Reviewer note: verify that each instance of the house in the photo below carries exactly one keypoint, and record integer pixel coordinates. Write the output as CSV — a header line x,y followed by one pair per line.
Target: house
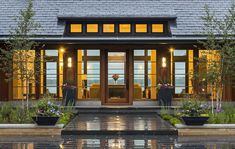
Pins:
x,y
113,51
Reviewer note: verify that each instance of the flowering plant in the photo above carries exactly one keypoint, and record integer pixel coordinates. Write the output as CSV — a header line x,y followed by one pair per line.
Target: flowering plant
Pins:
x,y
115,77
45,107
164,85
194,108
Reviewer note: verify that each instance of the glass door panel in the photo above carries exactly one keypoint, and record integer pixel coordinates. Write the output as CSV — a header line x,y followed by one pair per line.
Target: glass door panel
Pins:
x,y
117,91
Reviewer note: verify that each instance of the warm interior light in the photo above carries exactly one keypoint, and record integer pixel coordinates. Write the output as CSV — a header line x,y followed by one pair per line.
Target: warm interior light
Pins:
x,y
171,50
84,77
69,62
61,63
163,62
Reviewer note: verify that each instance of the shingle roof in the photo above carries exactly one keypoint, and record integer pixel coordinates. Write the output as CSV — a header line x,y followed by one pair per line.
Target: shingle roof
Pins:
x,y
188,12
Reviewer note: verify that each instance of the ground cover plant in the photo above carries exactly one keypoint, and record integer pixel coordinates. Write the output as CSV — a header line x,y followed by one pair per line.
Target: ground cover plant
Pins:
x,y
171,118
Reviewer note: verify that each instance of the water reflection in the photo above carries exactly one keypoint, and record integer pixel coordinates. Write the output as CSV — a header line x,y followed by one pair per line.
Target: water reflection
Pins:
x,y
117,142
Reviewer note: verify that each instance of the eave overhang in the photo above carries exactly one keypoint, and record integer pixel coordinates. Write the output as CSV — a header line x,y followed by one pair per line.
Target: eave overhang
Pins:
x,y
116,40
116,18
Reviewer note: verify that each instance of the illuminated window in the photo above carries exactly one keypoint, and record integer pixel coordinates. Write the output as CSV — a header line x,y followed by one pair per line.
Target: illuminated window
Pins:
x,y
108,28
141,28
75,28
92,28
124,28
157,28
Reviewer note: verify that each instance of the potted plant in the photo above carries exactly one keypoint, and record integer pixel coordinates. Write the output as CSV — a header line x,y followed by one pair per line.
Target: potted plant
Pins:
x,y
165,93
46,112
194,112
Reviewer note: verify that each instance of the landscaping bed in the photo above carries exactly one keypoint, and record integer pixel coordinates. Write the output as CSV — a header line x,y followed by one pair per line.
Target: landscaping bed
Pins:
x,y
18,120
219,122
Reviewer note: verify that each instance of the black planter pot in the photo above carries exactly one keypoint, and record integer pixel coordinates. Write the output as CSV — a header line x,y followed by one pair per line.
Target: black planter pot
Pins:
x,y
40,120
193,120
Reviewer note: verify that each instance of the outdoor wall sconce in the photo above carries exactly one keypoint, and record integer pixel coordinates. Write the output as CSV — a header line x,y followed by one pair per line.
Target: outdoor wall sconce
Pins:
x,y
62,50
69,62
163,62
171,50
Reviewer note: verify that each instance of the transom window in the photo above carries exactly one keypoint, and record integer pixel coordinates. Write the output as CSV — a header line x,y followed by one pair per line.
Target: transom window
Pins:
x,y
117,28
124,28
141,28
75,28
157,28
108,28
92,28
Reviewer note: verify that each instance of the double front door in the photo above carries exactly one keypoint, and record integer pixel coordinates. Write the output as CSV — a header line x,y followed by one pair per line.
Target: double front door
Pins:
x,y
117,77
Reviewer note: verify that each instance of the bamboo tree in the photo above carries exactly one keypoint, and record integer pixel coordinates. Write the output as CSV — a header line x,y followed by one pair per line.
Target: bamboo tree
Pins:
x,y
16,57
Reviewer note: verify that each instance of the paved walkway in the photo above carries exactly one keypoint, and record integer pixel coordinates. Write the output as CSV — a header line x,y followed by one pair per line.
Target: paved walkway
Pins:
x,y
118,124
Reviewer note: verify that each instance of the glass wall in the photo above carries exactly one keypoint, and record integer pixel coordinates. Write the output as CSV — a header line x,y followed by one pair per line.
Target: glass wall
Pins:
x,y
145,74
183,71
88,74
50,72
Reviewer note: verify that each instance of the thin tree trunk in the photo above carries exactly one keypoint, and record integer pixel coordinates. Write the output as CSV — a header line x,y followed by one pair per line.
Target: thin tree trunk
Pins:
x,y
212,99
22,92
27,85
217,97
27,93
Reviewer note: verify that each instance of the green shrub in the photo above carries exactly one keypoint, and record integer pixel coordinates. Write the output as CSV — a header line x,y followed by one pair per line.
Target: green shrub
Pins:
x,y
67,115
11,114
175,121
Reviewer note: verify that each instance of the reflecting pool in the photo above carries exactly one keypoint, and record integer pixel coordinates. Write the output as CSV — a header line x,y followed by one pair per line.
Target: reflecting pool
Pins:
x,y
117,142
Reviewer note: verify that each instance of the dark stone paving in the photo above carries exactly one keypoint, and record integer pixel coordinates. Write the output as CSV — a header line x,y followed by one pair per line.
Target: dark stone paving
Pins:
x,y
118,124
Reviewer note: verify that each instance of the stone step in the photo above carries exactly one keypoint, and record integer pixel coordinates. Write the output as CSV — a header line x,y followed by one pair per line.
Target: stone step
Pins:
x,y
118,124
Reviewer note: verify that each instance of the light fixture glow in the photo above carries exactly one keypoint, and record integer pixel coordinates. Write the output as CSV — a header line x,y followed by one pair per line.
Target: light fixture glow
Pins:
x,y
163,62
62,50
69,62
171,50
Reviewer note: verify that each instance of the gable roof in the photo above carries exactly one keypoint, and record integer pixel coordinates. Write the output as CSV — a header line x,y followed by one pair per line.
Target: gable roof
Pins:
x,y
48,12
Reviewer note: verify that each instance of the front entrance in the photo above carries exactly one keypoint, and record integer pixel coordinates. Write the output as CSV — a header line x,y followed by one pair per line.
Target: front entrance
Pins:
x,y
117,77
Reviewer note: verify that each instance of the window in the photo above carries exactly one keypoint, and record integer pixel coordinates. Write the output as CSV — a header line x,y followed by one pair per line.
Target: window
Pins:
x,y
75,28
92,28
145,78
180,77
88,74
141,28
51,77
157,28
180,52
124,28
108,28
51,52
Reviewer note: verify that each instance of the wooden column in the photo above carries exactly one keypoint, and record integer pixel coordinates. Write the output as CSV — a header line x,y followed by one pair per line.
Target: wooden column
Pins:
x,y
70,73
163,73
103,81
130,74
